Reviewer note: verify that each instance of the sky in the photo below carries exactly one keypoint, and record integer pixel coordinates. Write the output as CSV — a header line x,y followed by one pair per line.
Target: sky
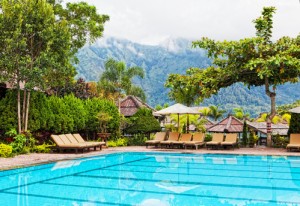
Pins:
x,y
153,21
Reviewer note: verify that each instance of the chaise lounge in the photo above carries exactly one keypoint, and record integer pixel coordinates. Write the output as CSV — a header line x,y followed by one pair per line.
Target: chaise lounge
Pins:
x,y
184,138
294,142
159,136
230,140
217,138
198,140
173,136
70,142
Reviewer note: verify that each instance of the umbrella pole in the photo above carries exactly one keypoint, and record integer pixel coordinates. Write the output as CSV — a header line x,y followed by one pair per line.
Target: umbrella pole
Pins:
x,y
178,122
187,123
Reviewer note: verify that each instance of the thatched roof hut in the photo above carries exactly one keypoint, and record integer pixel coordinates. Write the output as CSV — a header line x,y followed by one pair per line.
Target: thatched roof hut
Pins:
x,y
228,125
131,104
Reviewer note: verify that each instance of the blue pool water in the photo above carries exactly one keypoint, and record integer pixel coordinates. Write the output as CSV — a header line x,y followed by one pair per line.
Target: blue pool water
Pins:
x,y
150,179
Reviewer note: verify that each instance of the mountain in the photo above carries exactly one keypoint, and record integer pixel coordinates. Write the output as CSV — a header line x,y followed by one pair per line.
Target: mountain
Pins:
x,y
173,56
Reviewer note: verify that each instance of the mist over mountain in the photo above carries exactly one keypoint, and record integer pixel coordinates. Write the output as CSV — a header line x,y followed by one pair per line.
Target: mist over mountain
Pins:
x,y
173,56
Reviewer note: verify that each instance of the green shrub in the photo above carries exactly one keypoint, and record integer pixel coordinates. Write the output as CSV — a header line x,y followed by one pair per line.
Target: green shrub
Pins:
x,y
19,143
44,148
58,115
143,122
5,150
93,107
122,142
137,140
279,141
111,143
208,137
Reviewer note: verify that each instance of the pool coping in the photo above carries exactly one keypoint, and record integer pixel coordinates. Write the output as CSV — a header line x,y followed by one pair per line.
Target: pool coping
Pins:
x,y
34,159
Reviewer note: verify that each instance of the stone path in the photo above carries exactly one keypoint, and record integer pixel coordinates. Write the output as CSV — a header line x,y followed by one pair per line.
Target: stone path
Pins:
x,y
38,158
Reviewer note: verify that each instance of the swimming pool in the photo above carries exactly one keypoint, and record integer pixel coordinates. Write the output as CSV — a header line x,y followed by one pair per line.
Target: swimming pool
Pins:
x,y
150,179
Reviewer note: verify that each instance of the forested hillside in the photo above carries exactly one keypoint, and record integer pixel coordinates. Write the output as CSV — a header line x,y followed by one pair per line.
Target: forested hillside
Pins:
x,y
173,56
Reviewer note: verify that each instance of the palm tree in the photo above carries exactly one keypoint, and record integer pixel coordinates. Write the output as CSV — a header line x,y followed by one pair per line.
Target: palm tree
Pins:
x,y
215,112
239,113
205,112
116,80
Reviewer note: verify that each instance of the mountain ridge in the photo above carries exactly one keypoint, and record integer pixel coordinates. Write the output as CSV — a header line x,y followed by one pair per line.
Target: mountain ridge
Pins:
x,y
173,56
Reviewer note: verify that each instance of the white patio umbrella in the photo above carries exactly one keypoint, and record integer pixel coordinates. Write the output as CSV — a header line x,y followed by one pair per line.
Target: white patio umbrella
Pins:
x,y
295,110
177,109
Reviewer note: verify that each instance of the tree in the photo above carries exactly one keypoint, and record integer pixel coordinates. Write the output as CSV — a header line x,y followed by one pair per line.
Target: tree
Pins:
x,y
116,80
39,44
183,91
239,113
215,112
245,135
254,61
205,111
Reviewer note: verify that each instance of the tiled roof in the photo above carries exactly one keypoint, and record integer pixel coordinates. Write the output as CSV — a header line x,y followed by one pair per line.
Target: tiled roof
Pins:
x,y
281,129
131,104
229,124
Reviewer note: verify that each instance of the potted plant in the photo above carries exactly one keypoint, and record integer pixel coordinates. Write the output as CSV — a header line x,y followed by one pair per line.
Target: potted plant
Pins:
x,y
104,119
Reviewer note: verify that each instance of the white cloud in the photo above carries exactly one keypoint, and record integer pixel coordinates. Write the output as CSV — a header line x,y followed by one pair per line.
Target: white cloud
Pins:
x,y
152,21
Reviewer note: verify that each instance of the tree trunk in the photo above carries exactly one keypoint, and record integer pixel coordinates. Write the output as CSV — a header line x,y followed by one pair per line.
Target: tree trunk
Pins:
x,y
27,112
19,108
23,109
272,96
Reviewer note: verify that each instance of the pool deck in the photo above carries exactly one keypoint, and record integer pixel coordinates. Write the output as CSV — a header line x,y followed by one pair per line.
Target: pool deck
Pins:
x,y
39,158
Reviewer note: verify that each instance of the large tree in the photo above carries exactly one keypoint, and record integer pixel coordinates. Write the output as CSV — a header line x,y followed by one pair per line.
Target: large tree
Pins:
x,y
39,41
183,91
256,61
116,80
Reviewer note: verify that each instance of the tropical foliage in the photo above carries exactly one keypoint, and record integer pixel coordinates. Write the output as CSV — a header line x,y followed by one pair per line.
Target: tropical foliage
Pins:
x,y
60,115
116,80
143,122
39,44
253,61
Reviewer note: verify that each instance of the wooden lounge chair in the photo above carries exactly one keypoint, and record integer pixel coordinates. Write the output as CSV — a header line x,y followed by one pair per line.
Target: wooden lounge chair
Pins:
x,y
294,142
230,140
89,144
198,140
173,136
217,138
183,139
159,136
65,144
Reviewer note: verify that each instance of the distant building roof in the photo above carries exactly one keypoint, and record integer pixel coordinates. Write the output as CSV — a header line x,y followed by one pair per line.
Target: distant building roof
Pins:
x,y
281,129
131,104
230,124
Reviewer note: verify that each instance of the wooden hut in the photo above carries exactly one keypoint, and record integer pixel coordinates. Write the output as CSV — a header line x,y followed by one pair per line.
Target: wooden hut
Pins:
x,y
260,128
131,104
228,125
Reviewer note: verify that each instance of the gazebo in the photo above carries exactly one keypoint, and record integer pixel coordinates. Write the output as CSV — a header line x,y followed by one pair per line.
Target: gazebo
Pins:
x,y
228,125
131,104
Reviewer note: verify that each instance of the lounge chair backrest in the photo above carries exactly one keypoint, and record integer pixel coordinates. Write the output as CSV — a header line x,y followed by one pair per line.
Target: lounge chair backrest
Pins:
x,y
295,139
173,136
71,138
199,137
64,139
217,137
57,140
231,137
78,138
186,137
160,136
